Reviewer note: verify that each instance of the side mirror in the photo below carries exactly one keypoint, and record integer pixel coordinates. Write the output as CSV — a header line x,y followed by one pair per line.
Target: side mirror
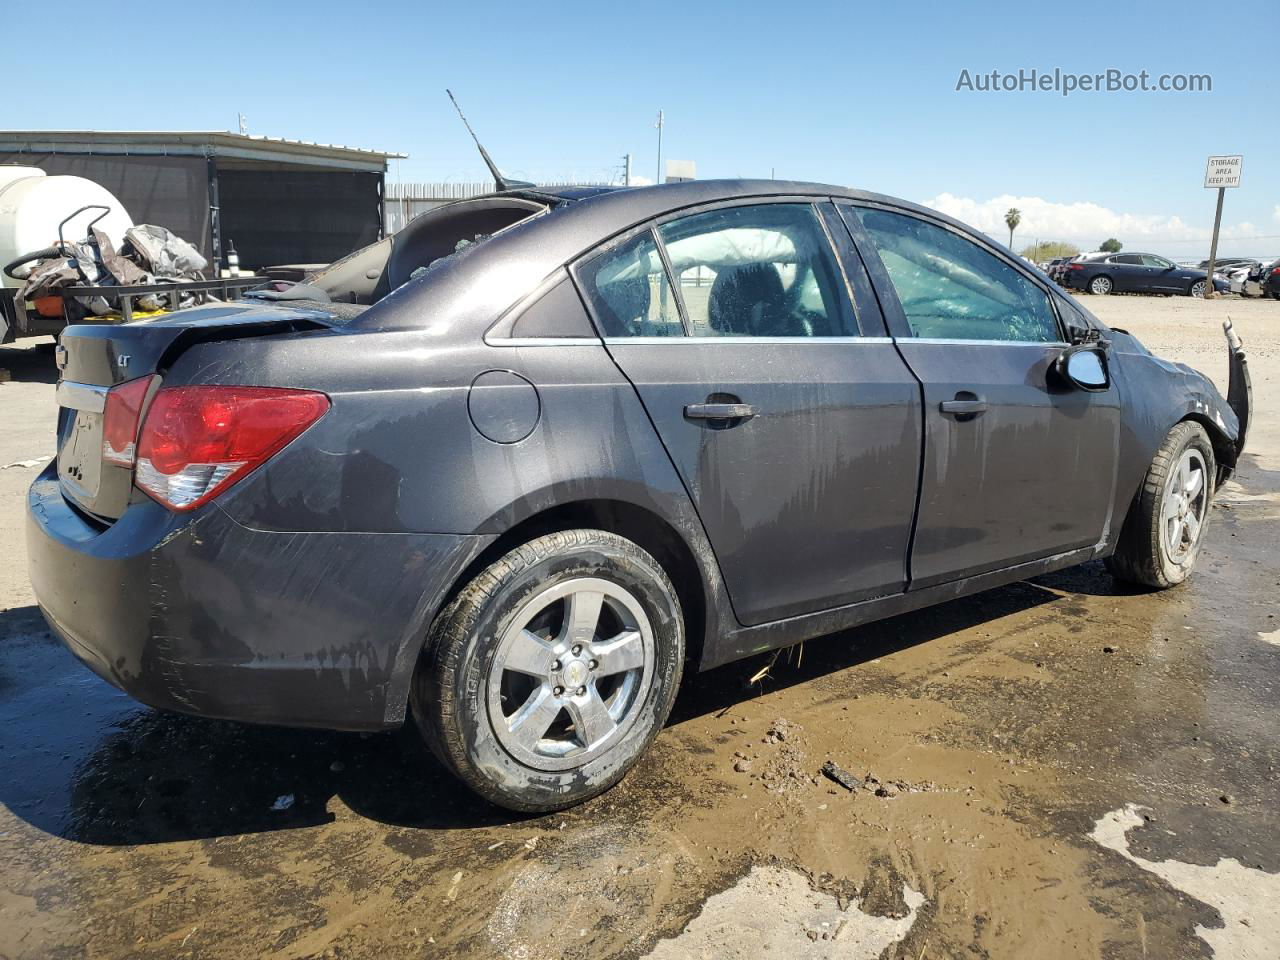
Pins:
x,y
1085,366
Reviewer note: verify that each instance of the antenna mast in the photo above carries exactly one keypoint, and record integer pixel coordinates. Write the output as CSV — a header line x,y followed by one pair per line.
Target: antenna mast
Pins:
x,y
501,182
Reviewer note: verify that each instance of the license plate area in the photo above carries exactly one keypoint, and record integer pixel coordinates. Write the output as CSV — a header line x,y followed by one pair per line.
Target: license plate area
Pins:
x,y
80,439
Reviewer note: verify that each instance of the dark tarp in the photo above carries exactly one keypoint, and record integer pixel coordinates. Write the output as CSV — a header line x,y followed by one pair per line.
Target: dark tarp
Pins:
x,y
170,191
298,216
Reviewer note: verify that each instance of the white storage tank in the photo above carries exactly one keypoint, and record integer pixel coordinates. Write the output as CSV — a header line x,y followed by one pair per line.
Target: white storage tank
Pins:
x,y
32,205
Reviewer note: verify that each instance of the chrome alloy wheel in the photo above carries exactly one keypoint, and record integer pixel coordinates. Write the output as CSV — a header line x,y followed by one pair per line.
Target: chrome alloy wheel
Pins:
x,y
1198,288
572,670
1186,500
1100,285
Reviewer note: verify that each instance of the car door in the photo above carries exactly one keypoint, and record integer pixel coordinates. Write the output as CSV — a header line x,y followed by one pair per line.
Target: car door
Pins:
x,y
1164,276
1018,465
1127,272
789,415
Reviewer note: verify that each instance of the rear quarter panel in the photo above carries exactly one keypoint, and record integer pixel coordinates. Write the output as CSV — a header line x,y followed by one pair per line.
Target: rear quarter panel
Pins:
x,y
398,453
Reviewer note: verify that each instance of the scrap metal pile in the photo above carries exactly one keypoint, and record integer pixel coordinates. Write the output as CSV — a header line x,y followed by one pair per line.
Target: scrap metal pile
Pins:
x,y
148,255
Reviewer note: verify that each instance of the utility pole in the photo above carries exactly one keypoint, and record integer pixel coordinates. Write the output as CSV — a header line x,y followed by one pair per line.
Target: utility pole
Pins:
x,y
1219,173
659,124
626,169
244,127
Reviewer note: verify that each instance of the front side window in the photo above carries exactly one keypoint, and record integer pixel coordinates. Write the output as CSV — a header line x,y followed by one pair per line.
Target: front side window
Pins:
x,y
628,288
951,288
765,270
1150,261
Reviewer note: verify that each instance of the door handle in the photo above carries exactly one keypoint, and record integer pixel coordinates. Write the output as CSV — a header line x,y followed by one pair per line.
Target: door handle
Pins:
x,y
720,411
963,408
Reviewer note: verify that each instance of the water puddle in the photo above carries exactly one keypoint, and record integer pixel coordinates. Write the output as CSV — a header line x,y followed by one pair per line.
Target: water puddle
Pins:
x,y
1246,898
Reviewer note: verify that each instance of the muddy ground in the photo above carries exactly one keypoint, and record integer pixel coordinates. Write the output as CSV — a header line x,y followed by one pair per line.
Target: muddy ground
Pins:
x,y
1059,768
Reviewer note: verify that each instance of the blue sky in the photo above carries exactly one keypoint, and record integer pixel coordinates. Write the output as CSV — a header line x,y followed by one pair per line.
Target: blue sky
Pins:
x,y
840,92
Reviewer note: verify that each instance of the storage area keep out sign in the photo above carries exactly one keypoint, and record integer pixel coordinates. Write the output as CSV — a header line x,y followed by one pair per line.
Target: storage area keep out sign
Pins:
x,y
1222,172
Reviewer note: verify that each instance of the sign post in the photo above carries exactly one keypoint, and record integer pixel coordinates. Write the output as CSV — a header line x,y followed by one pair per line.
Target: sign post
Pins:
x,y
1219,173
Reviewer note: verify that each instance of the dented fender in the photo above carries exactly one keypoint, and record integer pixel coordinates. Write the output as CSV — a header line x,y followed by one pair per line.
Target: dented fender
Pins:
x,y
1157,394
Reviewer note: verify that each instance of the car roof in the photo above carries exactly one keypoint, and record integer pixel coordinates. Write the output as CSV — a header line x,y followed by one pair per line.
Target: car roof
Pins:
x,y
626,206
580,219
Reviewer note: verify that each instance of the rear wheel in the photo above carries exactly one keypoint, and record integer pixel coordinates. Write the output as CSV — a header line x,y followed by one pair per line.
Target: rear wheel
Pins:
x,y
553,670
1101,285
1197,289
1166,524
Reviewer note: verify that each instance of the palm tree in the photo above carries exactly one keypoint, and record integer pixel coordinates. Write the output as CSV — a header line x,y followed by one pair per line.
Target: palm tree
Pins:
x,y
1012,219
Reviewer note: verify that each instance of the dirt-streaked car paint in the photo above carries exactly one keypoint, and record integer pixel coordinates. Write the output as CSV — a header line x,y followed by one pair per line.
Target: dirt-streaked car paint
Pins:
x,y
303,594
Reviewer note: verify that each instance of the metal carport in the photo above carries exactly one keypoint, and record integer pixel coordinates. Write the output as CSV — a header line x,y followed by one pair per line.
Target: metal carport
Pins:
x,y
278,201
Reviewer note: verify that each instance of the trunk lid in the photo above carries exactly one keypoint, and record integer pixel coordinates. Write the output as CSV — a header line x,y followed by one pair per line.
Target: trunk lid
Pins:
x,y
94,358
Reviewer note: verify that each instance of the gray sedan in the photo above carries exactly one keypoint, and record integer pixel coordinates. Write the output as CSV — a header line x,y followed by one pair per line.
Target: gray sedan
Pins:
x,y
515,469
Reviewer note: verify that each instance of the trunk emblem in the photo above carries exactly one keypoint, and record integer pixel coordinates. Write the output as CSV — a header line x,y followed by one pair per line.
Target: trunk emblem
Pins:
x,y
123,360
60,356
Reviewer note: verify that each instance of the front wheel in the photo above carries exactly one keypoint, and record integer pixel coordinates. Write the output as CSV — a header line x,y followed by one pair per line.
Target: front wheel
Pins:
x,y
1101,285
1161,536
545,679
1197,289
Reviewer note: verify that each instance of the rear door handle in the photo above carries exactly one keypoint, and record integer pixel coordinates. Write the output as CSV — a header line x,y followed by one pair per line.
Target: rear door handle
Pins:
x,y
961,408
720,411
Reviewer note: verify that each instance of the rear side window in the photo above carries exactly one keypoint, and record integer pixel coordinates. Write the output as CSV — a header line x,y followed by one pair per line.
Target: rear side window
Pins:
x,y
951,288
628,288
1127,258
766,270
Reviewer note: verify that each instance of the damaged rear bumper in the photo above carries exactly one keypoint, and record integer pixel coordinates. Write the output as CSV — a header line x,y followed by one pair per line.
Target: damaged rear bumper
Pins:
x,y
205,616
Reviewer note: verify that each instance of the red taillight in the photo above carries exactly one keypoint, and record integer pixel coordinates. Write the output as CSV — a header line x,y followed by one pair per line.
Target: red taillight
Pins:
x,y
197,441
120,420
1276,272
1075,266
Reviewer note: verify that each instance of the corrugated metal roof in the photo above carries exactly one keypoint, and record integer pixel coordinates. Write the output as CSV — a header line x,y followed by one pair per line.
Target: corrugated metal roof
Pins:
x,y
187,142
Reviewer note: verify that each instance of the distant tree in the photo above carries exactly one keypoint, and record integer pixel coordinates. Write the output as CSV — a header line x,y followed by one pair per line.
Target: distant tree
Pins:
x,y
1111,245
1049,249
1012,219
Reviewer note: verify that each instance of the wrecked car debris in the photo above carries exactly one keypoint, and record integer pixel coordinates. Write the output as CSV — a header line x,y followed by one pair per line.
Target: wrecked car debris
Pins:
x,y
541,638
837,773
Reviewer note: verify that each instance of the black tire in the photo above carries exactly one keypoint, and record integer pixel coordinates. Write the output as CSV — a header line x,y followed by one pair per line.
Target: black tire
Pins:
x,y
1142,555
45,254
1100,285
1202,284
450,693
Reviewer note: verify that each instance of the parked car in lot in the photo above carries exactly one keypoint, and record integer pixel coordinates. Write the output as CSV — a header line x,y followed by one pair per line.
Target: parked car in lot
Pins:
x,y
1138,273
1268,278
1229,263
524,463
1055,267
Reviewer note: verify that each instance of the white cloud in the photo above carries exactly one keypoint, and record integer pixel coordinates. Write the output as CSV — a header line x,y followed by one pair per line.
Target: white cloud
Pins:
x,y
1085,224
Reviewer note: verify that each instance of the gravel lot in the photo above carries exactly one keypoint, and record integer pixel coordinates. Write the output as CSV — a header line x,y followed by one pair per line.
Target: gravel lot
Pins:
x,y
1053,769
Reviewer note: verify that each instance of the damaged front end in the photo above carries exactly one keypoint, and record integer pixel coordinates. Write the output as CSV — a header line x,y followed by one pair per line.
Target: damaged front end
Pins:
x,y
1239,387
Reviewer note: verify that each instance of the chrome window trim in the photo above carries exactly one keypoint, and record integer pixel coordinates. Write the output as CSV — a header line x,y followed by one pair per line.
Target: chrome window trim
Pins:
x,y
542,341
773,340
941,341
960,341
82,396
